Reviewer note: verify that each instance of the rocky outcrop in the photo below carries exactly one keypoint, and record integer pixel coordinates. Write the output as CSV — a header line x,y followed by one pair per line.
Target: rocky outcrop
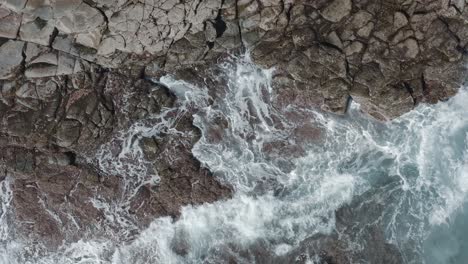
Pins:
x,y
74,73
380,54
388,56
52,132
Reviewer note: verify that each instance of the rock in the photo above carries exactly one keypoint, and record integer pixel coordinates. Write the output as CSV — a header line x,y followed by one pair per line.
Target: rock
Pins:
x,y
441,44
354,47
40,187
335,40
90,39
459,4
109,45
387,105
194,184
68,133
409,48
66,64
11,54
378,97
80,76
45,62
36,30
16,5
336,98
399,20
178,35
9,23
210,32
337,10
366,30
79,19
305,36
361,19
440,82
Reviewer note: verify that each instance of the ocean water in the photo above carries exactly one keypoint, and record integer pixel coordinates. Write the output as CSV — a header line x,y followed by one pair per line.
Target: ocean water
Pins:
x,y
291,169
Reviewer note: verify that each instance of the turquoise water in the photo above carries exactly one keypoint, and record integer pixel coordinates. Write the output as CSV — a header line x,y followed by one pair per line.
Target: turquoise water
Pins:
x,y
448,243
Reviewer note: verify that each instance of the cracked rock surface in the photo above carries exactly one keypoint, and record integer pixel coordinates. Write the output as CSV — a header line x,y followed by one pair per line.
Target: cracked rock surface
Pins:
x,y
68,67
336,50
51,133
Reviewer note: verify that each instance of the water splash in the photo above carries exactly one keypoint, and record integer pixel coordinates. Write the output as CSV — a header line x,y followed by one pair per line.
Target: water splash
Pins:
x,y
291,170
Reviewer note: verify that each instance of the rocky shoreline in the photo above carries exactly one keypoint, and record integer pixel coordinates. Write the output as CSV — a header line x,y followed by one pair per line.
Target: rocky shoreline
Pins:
x,y
74,74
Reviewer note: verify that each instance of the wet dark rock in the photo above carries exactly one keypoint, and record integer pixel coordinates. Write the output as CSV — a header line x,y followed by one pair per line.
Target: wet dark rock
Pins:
x,y
52,196
52,128
182,179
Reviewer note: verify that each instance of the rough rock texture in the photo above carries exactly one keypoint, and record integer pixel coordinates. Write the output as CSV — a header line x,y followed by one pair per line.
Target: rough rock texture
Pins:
x,y
386,55
66,64
52,128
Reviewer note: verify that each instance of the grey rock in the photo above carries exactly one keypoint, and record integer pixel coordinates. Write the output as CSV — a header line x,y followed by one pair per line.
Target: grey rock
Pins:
x,y
36,30
337,10
333,38
353,47
16,5
66,118
459,4
68,133
399,20
409,48
9,23
11,54
181,34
